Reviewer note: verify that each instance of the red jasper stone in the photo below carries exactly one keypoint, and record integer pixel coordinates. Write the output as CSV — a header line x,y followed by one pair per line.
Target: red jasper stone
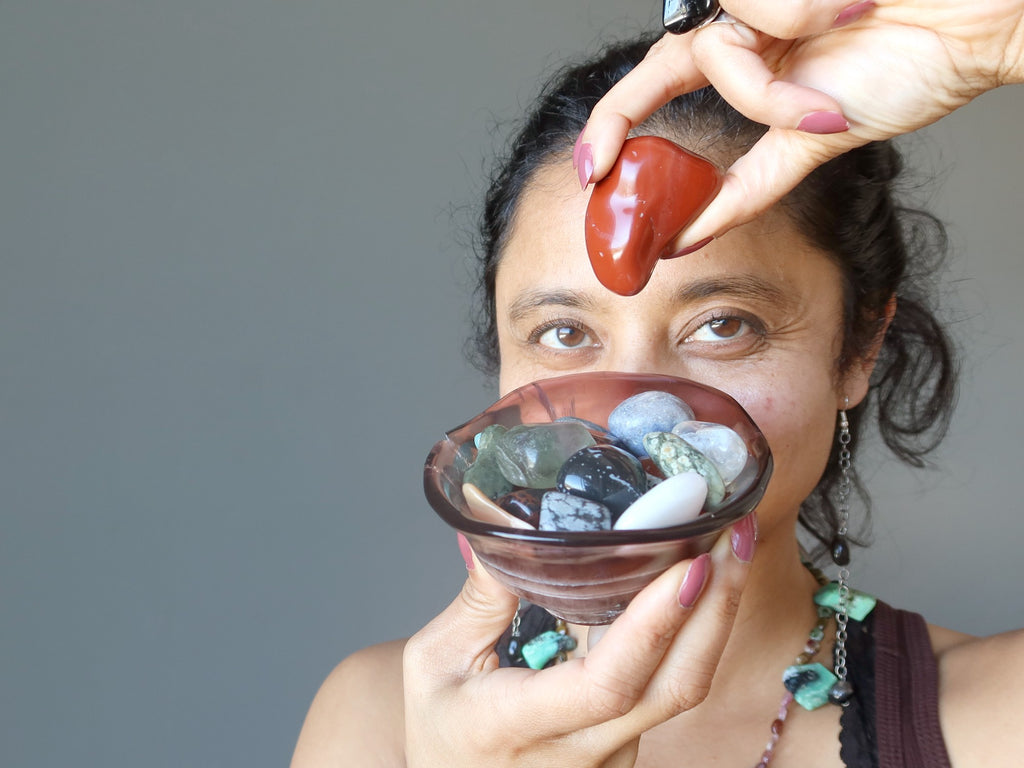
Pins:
x,y
654,190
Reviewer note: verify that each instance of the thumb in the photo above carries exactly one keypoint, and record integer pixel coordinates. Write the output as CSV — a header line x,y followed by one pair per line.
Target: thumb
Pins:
x,y
460,641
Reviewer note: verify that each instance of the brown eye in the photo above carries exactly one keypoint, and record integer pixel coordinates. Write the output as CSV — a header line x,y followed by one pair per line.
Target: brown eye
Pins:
x,y
564,337
723,329
726,327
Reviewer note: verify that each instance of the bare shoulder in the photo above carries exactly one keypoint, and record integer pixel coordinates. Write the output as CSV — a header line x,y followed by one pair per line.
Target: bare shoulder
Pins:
x,y
981,695
357,716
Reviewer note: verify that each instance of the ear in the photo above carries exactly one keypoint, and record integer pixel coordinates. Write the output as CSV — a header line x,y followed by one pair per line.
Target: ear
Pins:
x,y
858,376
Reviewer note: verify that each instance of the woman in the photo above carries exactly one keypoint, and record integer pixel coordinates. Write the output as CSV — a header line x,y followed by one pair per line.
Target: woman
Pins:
x,y
801,313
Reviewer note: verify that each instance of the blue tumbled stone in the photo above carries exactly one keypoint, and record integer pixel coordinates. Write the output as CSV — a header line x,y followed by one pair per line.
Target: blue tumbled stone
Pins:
x,y
653,411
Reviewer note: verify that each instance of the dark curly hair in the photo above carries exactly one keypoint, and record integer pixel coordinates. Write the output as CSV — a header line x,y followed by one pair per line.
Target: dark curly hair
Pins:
x,y
847,208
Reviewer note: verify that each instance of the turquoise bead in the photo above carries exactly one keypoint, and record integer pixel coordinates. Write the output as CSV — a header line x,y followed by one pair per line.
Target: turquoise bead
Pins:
x,y
809,683
859,604
544,647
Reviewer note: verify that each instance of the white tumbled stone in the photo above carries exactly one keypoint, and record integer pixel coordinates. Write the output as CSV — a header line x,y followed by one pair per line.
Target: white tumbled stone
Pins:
x,y
674,501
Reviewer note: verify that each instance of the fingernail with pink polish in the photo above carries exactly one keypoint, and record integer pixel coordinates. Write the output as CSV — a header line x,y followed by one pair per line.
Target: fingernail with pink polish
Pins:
x,y
694,580
586,165
466,550
576,151
744,538
823,122
851,13
690,248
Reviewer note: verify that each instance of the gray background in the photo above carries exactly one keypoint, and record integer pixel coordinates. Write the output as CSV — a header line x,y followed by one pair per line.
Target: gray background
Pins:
x,y
232,299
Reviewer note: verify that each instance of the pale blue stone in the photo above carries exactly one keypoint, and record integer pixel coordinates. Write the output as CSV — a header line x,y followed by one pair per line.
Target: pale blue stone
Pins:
x,y
653,411
673,455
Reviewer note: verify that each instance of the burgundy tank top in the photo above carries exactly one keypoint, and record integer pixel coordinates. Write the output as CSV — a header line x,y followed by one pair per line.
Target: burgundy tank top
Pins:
x,y
893,720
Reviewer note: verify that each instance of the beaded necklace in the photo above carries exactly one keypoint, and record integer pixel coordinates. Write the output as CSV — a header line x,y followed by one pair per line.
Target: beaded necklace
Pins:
x,y
810,684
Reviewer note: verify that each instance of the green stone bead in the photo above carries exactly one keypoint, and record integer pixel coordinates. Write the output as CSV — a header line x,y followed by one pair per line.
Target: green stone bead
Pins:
x,y
809,683
673,455
858,606
544,647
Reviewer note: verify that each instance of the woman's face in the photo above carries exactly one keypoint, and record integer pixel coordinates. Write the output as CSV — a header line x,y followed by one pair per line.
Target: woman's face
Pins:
x,y
757,314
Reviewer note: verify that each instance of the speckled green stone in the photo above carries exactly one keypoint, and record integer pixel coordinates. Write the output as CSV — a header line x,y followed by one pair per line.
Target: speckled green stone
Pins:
x,y
859,605
673,455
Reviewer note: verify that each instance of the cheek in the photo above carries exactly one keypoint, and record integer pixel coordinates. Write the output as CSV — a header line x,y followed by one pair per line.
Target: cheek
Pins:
x,y
799,425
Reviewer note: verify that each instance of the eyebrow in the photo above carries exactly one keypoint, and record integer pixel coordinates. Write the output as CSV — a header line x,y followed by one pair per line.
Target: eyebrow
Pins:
x,y
740,286
528,301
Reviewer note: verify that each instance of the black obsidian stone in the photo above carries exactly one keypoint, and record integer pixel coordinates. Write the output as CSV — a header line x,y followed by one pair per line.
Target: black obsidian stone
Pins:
x,y
680,16
605,474
840,551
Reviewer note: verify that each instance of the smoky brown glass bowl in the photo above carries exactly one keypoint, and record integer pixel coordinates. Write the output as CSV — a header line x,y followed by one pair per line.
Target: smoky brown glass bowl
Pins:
x,y
589,577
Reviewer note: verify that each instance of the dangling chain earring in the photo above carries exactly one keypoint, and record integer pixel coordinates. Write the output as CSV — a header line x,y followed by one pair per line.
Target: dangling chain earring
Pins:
x,y
842,690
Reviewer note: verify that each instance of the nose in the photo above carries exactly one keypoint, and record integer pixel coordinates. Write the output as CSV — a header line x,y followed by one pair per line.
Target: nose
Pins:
x,y
645,355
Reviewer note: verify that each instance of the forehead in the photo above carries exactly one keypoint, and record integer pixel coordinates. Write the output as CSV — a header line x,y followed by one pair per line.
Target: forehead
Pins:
x,y
546,248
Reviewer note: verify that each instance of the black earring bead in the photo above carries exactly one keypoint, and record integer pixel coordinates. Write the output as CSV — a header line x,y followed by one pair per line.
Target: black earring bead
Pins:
x,y
840,549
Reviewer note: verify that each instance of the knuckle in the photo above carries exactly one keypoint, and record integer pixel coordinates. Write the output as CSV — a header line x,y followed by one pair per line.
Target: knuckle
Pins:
x,y
609,697
684,692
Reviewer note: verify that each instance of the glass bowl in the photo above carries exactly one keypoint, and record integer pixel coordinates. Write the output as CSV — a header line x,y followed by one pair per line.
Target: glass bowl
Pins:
x,y
589,577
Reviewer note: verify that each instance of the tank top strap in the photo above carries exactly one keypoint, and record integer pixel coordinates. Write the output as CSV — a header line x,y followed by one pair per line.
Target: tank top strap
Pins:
x,y
908,733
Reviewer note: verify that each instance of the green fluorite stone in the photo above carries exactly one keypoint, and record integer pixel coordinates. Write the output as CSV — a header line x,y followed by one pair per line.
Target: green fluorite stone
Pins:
x,y
859,605
530,455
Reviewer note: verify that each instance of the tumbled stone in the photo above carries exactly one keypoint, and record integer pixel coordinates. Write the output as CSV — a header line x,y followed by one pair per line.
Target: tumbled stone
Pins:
x,y
646,412
560,511
601,435
606,474
485,474
524,503
809,683
673,455
674,501
722,445
484,439
486,511
530,455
